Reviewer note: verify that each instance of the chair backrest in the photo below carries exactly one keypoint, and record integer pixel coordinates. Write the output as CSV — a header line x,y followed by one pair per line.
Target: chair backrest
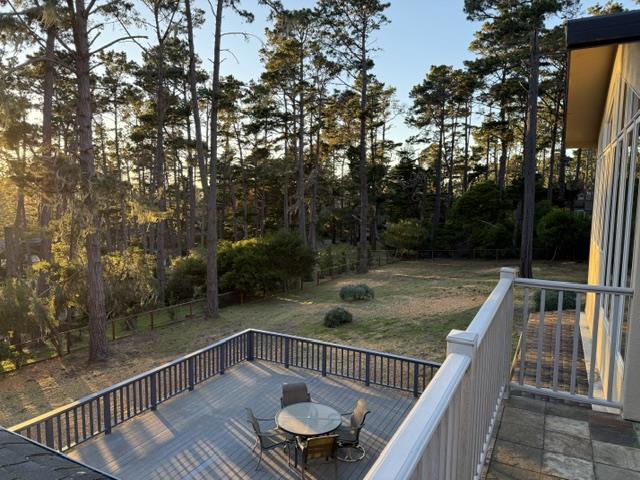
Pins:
x,y
253,421
294,393
321,447
359,414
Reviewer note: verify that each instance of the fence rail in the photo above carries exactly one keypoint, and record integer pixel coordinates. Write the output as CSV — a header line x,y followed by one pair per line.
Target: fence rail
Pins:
x,y
77,422
65,342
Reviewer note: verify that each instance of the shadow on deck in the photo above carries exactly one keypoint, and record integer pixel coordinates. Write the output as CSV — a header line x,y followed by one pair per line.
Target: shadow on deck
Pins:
x,y
203,434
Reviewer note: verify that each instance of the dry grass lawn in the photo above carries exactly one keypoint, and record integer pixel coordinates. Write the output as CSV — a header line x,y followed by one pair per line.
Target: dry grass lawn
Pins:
x,y
416,304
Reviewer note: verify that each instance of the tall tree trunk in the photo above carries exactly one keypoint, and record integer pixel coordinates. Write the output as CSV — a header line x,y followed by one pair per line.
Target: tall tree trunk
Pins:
x,y
529,167
578,165
212,204
451,165
195,109
552,153
363,244
504,144
98,349
302,217
47,135
11,246
467,135
435,220
313,224
245,187
159,175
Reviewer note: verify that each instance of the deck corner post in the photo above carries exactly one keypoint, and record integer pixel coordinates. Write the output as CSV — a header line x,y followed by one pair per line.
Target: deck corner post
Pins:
x,y
508,272
287,341
324,360
250,343
153,393
367,369
48,433
221,353
106,410
190,373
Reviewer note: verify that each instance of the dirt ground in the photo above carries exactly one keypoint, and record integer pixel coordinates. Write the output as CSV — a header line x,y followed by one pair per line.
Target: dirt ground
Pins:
x,y
416,304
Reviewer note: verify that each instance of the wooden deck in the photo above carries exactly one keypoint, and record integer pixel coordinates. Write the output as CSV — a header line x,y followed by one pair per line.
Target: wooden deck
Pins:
x,y
203,434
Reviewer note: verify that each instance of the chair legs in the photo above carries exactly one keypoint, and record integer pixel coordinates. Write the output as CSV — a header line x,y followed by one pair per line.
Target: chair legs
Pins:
x,y
259,459
352,453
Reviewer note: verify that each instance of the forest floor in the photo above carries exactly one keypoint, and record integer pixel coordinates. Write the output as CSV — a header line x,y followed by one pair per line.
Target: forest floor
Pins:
x,y
416,304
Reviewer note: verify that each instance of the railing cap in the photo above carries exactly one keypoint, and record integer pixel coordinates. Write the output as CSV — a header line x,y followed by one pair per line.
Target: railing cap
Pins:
x,y
508,272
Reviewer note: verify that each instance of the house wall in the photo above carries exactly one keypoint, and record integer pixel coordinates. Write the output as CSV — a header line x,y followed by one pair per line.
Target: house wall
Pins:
x,y
614,214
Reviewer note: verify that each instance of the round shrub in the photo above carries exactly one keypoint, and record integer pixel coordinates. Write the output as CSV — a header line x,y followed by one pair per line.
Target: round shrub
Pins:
x,y
356,292
336,317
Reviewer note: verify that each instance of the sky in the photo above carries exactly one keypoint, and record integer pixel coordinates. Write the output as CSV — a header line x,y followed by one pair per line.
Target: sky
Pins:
x,y
421,33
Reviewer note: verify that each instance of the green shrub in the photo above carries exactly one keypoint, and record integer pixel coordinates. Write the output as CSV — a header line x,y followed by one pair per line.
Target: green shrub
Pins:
x,y
337,316
565,232
551,301
5,351
186,278
406,236
356,292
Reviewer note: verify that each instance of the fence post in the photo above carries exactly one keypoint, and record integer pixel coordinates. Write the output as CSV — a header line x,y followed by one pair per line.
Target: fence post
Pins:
x,y
106,410
113,329
190,373
286,352
250,346
153,391
221,357
48,433
324,360
367,368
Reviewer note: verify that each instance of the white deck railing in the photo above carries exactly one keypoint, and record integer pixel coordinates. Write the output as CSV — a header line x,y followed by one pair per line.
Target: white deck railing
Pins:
x,y
573,341
447,433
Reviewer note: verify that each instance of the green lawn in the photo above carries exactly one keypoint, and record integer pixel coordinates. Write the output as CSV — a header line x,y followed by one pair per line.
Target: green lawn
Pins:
x,y
417,303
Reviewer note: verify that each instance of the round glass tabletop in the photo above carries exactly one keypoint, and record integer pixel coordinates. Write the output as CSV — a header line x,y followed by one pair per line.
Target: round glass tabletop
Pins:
x,y
308,419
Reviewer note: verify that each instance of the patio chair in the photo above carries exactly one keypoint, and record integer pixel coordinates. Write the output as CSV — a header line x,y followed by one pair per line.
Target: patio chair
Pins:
x,y
294,393
349,433
267,439
318,448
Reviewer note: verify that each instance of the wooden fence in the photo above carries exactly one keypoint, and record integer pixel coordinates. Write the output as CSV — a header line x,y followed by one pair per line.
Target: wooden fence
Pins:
x,y
77,422
65,342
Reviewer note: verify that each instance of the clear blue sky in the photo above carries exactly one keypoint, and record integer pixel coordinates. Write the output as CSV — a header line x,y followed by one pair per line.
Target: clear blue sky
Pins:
x,y
421,33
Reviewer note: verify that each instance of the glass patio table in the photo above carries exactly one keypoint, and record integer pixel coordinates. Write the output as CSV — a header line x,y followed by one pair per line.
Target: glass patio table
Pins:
x,y
308,419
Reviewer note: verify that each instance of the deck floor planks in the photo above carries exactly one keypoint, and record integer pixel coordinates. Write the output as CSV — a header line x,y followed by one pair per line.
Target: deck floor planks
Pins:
x,y
203,434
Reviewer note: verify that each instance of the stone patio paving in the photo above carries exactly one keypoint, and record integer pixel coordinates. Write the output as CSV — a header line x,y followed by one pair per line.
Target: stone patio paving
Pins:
x,y
549,440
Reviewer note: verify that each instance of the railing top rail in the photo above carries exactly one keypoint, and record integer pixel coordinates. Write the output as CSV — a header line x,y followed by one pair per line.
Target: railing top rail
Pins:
x,y
348,347
483,318
115,387
405,449
110,388
571,287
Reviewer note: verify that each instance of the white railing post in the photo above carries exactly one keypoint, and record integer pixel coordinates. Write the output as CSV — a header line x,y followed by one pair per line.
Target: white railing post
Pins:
x,y
509,274
466,451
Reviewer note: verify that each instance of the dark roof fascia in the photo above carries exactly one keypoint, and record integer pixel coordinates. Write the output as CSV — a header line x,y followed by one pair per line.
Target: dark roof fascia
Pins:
x,y
588,32
66,464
